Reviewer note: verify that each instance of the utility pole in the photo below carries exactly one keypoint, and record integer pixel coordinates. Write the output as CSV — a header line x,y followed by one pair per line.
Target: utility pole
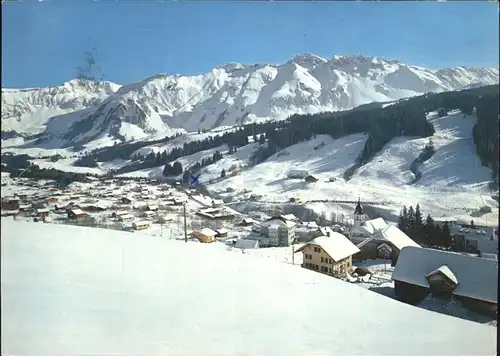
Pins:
x,y
293,254
185,223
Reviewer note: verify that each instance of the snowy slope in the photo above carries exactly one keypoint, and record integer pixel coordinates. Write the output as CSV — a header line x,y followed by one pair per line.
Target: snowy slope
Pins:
x,y
230,95
392,163
453,182
455,163
270,177
74,291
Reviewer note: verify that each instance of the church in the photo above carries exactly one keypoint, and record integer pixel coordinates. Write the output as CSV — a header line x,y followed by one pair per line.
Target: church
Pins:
x,y
377,239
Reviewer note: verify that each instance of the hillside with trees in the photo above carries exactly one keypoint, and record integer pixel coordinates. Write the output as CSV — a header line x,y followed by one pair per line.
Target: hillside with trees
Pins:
x,y
381,122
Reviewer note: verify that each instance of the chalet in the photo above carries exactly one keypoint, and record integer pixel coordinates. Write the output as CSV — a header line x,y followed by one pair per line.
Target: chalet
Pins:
x,y
125,217
76,214
205,235
149,214
386,243
471,280
311,179
221,232
140,225
42,212
331,255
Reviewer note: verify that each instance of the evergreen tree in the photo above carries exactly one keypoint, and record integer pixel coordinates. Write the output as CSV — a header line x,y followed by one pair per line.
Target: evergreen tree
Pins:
x,y
223,173
429,229
403,223
411,218
262,139
418,218
255,139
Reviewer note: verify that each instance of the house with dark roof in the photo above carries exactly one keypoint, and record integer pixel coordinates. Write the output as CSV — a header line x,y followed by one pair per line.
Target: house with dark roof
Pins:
x,y
471,280
386,243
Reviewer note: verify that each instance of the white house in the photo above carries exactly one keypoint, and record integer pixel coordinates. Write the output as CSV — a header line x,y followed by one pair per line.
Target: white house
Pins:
x,y
279,230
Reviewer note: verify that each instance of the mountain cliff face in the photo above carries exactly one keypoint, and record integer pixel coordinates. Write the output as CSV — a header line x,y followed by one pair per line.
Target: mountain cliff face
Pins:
x,y
232,94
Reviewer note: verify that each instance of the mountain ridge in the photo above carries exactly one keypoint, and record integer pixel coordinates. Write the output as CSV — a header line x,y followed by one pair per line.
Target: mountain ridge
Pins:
x,y
229,95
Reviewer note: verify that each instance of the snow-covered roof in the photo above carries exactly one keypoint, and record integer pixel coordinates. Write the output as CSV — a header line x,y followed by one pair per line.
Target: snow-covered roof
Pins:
x,y
395,236
444,219
116,275
77,211
445,270
43,210
208,232
121,213
326,231
337,246
478,277
126,216
361,229
289,217
309,224
375,224
141,223
222,231
244,243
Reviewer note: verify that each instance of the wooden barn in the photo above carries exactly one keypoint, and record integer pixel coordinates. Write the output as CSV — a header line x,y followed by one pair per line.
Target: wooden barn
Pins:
x,y
471,280
76,214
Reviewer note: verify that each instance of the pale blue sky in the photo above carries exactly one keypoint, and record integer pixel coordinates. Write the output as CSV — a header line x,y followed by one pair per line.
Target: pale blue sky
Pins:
x,y
43,42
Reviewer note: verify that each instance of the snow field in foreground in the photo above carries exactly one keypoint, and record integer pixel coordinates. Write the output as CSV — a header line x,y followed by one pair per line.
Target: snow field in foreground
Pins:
x,y
69,290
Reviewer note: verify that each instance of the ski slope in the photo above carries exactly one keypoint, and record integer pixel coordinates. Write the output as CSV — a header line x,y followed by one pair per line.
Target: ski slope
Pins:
x,y
392,164
75,291
455,163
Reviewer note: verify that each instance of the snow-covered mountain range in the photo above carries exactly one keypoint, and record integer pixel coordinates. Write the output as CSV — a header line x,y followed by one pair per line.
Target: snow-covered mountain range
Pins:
x,y
228,95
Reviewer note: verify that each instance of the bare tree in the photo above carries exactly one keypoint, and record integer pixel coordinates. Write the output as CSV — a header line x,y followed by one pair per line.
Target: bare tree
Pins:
x,y
89,74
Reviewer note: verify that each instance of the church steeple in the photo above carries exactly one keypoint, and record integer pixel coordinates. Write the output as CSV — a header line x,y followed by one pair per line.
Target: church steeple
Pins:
x,y
359,209
359,215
